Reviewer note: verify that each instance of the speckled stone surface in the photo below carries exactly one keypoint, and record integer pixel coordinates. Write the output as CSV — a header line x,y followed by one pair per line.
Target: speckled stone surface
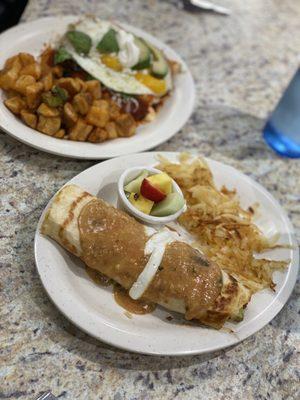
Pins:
x,y
241,64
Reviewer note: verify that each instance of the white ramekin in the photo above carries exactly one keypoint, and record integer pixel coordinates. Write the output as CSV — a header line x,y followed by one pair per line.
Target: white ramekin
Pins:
x,y
123,203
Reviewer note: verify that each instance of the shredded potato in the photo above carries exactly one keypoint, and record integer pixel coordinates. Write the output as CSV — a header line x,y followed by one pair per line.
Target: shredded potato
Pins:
x,y
225,232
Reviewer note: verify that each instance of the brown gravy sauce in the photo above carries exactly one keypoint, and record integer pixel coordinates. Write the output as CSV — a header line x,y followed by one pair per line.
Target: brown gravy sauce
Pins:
x,y
133,306
113,244
187,275
121,295
97,277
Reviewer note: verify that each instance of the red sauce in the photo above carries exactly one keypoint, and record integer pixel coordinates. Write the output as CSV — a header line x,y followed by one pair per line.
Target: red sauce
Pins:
x,y
137,106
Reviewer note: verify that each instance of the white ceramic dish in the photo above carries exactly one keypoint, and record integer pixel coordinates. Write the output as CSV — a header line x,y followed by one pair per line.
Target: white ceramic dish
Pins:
x,y
128,175
93,309
32,36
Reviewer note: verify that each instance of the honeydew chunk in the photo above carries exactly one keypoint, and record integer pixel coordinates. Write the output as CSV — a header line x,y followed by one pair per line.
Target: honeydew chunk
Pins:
x,y
170,205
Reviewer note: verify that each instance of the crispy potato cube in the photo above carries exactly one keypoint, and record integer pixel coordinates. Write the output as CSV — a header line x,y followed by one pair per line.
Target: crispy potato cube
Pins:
x,y
98,114
94,87
80,131
81,83
100,103
98,135
11,93
13,65
48,81
126,125
29,118
48,125
89,98
47,111
23,82
60,134
81,102
16,65
71,85
26,59
57,71
33,95
47,60
15,104
70,116
3,81
33,69
11,78
114,110
8,79
11,61
84,87
111,130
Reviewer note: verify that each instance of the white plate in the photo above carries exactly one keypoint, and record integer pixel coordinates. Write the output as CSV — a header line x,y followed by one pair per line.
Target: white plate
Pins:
x,y
93,309
32,36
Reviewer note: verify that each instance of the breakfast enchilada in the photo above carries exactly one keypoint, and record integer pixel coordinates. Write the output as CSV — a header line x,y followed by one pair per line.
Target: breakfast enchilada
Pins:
x,y
152,266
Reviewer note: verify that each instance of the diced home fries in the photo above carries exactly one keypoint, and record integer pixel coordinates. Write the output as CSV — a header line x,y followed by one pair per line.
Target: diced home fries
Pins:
x,y
61,106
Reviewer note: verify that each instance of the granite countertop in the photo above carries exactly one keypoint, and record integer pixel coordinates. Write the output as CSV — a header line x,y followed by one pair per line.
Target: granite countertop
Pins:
x,y
240,64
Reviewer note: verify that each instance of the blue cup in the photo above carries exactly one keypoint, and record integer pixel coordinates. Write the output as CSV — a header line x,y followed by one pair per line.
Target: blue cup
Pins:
x,y
282,130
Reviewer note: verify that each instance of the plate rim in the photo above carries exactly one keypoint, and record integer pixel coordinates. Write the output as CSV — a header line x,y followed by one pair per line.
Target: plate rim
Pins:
x,y
275,305
82,153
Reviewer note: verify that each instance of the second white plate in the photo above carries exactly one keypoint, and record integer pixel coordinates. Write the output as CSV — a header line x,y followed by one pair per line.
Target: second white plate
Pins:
x,y
32,36
93,309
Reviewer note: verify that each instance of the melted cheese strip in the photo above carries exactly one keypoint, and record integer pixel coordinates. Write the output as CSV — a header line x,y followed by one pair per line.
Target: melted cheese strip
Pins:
x,y
156,247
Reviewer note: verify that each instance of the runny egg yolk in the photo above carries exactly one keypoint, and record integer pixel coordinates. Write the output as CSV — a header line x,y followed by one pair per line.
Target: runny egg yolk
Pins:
x,y
157,86
111,62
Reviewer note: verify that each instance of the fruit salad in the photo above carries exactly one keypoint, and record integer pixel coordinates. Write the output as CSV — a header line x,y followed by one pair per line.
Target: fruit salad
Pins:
x,y
153,194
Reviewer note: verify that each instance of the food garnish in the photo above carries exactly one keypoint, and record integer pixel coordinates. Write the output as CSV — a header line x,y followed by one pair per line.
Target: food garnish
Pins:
x,y
81,42
61,55
109,43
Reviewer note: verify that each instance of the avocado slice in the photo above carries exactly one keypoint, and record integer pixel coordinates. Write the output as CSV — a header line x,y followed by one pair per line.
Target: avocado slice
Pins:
x,y
108,43
134,186
159,67
145,55
81,42
170,205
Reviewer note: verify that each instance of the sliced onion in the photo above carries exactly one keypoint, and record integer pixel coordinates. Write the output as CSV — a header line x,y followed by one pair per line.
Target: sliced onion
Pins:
x,y
155,246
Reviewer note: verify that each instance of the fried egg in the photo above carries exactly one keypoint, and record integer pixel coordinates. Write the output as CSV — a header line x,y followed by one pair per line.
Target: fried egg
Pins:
x,y
115,70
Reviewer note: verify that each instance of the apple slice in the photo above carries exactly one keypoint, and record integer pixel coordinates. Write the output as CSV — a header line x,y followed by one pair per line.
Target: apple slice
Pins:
x,y
150,192
141,203
161,181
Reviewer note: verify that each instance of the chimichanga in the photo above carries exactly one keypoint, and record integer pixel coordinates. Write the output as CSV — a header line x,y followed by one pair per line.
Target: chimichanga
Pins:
x,y
115,244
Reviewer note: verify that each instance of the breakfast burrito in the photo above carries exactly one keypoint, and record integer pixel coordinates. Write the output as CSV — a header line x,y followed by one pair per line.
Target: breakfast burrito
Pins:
x,y
151,265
